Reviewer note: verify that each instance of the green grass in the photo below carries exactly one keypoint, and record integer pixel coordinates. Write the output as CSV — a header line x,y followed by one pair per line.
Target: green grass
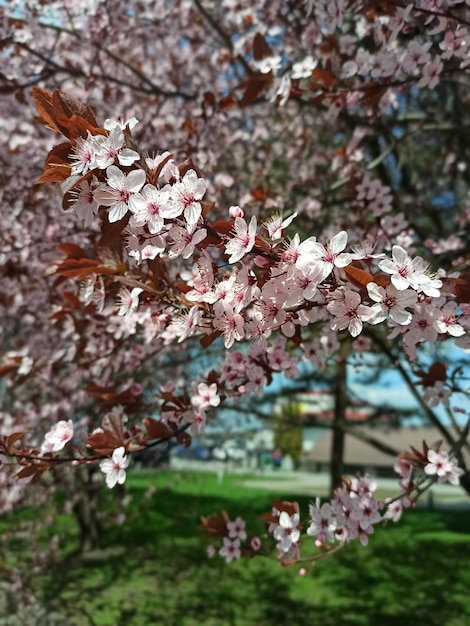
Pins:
x,y
154,570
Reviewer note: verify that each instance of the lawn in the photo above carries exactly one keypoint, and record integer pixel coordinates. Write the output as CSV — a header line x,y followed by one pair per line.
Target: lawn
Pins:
x,y
154,569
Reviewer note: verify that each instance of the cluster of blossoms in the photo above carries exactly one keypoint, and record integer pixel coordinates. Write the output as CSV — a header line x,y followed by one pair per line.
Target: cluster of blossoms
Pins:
x,y
351,514
412,44
280,284
161,214
235,541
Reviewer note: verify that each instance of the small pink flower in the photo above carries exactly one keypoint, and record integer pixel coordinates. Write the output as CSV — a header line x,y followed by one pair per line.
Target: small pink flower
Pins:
x,y
230,550
59,435
255,544
115,467
243,241
236,529
445,468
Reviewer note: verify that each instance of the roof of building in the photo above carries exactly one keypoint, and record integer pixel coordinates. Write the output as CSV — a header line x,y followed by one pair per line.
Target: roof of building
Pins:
x,y
358,452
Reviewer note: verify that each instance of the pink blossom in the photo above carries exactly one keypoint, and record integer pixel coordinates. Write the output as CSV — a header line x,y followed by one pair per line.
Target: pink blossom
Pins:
x,y
185,240
230,550
437,394
186,196
59,435
83,156
235,211
328,257
242,241
390,303
348,311
86,200
123,192
109,150
393,511
406,272
268,64
446,321
324,523
275,225
287,532
255,544
128,300
236,529
232,326
115,467
154,208
304,69
444,467
206,396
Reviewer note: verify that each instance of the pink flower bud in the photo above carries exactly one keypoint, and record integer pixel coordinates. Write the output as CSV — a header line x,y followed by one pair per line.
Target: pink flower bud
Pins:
x,y
235,211
255,544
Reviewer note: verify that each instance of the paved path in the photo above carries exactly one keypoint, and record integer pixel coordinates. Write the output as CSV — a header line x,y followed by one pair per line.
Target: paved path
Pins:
x,y
443,497
448,497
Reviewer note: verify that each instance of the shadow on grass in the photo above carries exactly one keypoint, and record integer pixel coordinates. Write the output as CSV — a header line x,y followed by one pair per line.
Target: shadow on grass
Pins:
x,y
154,569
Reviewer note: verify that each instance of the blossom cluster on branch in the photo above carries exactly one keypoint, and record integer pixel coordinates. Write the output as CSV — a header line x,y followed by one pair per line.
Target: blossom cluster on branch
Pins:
x,y
351,514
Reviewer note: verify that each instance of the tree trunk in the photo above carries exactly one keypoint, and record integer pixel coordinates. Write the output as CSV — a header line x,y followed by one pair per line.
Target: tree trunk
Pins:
x,y
339,419
87,520
465,482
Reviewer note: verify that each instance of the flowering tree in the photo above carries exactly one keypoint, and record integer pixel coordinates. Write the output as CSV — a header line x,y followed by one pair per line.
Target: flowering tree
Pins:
x,y
305,124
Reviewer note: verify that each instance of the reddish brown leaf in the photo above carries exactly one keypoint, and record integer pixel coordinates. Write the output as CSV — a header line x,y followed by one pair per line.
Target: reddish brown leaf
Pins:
x,y
30,470
206,207
13,438
81,268
72,250
357,276
156,429
254,86
259,193
74,107
419,456
72,300
285,505
104,443
79,127
168,396
212,377
228,102
37,477
215,524
54,173
43,102
324,77
437,372
112,423
462,287
208,340
261,49
223,227
7,369
382,280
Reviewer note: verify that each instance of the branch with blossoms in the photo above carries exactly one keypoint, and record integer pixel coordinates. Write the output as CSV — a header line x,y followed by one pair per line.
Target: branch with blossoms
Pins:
x,y
350,515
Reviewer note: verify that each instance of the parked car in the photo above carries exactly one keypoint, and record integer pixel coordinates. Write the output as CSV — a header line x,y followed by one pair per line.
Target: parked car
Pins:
x,y
195,451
